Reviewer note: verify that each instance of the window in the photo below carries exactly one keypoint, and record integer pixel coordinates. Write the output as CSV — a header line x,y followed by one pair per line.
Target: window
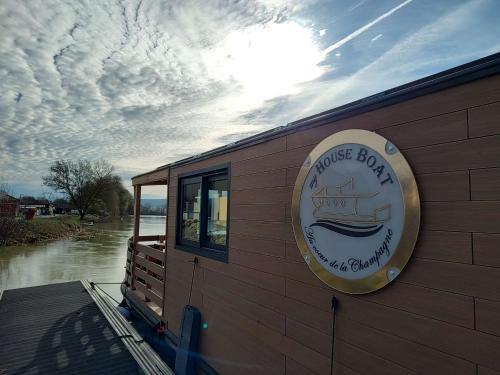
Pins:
x,y
203,213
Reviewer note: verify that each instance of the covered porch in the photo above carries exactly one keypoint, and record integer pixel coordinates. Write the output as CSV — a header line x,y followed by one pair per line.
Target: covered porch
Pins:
x,y
145,267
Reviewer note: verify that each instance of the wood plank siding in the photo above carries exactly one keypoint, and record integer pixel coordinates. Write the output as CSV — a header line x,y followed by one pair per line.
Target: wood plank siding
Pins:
x,y
268,314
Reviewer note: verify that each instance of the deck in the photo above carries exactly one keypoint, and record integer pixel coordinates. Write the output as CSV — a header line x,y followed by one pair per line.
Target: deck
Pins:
x,y
69,328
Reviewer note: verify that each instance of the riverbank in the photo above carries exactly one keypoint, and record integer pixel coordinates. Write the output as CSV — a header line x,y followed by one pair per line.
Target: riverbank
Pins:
x,y
40,229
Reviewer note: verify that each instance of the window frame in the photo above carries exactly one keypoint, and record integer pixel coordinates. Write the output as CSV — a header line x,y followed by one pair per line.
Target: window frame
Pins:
x,y
202,247
189,180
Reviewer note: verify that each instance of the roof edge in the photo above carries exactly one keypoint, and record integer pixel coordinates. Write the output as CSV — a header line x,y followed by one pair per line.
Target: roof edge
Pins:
x,y
468,72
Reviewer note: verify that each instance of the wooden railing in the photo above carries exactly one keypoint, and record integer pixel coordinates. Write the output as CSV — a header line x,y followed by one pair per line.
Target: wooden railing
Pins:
x,y
146,268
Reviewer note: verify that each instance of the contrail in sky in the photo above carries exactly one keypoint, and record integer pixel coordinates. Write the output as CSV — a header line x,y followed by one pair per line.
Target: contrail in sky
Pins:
x,y
361,30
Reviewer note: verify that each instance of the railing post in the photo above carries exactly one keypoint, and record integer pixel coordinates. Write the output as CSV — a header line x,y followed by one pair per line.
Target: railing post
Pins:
x,y
137,211
137,218
166,250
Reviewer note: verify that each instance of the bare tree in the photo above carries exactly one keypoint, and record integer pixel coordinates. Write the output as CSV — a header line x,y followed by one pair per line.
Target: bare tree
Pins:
x,y
5,187
81,181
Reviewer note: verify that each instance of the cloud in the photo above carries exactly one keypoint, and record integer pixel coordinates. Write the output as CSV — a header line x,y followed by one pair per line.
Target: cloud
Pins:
x,y
357,5
364,28
411,58
111,80
143,83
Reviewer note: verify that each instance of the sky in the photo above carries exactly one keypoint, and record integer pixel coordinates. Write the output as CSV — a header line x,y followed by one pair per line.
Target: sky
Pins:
x,y
146,82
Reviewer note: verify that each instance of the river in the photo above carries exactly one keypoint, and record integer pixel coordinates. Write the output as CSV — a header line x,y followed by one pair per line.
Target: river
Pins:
x,y
100,259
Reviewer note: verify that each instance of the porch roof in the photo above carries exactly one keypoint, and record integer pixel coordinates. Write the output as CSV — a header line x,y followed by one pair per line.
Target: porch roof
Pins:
x,y
155,177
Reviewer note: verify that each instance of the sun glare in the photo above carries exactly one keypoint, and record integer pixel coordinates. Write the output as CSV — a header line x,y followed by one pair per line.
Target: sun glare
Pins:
x,y
267,61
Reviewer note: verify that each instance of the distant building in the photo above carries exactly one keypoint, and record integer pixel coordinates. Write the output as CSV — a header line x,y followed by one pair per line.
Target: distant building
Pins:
x,y
38,206
9,206
61,207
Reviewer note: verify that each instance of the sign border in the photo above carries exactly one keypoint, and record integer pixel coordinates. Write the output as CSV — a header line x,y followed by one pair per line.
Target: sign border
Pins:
x,y
411,207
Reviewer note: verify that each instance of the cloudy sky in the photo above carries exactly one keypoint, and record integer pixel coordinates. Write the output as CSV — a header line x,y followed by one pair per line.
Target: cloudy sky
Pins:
x,y
145,82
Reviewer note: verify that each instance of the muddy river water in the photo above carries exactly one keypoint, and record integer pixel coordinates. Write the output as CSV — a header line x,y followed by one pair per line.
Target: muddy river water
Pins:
x,y
100,259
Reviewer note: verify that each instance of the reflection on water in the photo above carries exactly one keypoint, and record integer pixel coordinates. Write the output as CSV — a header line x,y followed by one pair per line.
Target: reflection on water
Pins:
x,y
100,259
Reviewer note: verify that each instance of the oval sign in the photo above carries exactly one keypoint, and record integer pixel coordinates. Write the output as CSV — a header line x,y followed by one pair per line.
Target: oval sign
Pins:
x,y
356,211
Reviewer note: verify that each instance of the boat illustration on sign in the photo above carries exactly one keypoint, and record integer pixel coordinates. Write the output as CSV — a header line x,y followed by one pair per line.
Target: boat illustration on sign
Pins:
x,y
336,209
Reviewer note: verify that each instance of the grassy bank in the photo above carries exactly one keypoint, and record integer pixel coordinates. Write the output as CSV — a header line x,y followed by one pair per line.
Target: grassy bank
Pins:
x,y
14,231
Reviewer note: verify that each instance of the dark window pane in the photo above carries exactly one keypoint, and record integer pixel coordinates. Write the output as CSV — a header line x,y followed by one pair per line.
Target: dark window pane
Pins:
x,y
217,212
191,204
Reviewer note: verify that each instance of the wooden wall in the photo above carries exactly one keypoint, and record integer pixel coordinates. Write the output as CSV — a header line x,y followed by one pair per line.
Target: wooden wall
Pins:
x,y
268,314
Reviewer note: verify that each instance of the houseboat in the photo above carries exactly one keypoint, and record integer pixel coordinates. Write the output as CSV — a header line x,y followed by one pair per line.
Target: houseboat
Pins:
x,y
361,240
